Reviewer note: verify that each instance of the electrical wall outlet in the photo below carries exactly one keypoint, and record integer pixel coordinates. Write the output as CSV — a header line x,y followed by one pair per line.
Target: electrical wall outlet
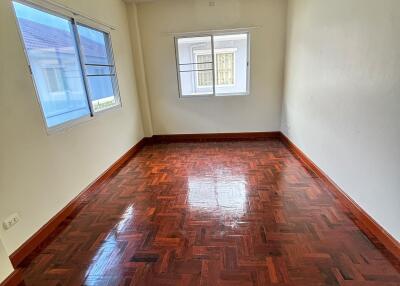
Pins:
x,y
11,221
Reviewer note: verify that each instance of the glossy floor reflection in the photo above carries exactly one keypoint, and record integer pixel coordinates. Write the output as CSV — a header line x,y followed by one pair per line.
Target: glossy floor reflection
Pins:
x,y
222,194
233,213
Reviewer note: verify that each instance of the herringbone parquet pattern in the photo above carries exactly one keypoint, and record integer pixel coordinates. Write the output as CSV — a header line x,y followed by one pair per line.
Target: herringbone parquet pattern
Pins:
x,y
231,213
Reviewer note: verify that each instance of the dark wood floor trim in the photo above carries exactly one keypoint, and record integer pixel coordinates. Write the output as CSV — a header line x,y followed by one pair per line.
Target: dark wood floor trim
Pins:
x,y
14,279
364,221
214,137
37,238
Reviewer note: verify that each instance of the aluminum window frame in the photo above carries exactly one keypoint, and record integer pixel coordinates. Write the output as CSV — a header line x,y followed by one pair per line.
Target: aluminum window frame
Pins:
x,y
110,53
212,35
74,20
178,64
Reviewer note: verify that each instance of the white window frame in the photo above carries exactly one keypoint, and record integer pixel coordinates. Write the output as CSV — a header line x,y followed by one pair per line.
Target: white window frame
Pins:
x,y
75,20
212,35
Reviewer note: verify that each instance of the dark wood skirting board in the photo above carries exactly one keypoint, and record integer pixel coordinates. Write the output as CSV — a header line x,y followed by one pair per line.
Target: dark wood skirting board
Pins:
x,y
37,238
214,137
14,279
363,220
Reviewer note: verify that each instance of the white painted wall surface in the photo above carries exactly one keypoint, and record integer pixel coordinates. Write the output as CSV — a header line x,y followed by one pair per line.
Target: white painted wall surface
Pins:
x,y
260,111
342,97
40,174
5,265
138,64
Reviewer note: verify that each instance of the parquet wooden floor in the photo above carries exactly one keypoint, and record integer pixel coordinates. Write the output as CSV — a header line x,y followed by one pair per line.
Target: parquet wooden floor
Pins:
x,y
227,213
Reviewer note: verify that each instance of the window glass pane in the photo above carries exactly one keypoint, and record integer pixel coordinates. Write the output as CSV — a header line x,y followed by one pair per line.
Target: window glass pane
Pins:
x,y
195,65
51,49
102,88
54,79
99,68
94,45
225,68
204,78
230,63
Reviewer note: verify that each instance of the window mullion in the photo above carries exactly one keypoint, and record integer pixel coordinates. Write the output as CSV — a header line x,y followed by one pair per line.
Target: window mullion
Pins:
x,y
114,79
83,67
213,62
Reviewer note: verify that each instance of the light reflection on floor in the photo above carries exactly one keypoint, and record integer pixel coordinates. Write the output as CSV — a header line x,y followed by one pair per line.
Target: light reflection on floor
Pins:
x,y
110,253
223,195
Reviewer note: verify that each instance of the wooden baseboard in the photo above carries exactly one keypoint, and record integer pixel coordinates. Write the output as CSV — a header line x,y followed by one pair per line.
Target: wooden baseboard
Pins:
x,y
363,220
214,137
37,238
14,279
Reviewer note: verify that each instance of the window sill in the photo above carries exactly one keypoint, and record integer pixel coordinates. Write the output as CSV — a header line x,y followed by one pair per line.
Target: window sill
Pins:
x,y
233,94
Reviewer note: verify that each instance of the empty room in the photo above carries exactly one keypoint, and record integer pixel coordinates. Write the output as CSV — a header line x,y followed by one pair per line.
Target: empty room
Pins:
x,y
200,142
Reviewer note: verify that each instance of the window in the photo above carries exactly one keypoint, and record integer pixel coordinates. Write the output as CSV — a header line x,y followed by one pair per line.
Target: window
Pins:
x,y
71,64
225,68
204,79
54,79
99,68
213,64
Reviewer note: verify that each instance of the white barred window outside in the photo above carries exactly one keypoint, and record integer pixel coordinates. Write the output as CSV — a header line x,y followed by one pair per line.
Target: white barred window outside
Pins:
x,y
216,65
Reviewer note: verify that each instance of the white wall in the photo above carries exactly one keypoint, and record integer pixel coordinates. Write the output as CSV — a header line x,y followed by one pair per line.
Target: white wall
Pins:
x,y
5,265
138,64
258,112
342,97
40,174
